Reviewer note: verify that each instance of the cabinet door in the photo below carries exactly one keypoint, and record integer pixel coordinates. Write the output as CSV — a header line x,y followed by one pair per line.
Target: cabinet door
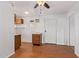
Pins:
x,y
18,20
36,39
17,41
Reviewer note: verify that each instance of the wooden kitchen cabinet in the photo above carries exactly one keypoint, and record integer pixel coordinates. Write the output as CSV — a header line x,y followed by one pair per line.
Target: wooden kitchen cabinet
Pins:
x,y
17,42
18,20
36,39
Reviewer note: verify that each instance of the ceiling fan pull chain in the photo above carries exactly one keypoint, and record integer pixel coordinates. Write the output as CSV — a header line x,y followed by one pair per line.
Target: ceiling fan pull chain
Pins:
x,y
40,10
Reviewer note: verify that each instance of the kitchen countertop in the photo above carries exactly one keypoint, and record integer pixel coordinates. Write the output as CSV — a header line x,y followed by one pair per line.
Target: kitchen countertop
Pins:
x,y
37,33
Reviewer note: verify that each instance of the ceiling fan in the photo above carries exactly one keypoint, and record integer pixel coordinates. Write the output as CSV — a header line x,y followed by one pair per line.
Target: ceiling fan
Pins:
x,y
41,3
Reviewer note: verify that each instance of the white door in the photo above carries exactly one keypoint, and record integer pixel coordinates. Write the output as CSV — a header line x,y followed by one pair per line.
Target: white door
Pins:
x,y
50,26
61,27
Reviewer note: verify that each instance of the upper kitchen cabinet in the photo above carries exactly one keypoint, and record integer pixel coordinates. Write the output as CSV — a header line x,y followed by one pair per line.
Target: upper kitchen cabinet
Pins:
x,y
18,20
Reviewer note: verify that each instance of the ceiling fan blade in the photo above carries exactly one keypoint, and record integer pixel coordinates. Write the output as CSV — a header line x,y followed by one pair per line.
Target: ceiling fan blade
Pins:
x,y
46,5
36,6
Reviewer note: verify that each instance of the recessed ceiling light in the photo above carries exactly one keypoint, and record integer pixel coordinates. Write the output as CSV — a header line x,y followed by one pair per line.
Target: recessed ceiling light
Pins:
x,y
26,12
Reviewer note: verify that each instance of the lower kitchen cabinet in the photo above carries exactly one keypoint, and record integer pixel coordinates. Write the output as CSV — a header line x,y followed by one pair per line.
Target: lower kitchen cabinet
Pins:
x,y
17,42
36,39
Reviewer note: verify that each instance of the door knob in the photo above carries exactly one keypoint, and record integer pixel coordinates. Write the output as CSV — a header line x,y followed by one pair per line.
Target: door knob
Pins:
x,y
45,31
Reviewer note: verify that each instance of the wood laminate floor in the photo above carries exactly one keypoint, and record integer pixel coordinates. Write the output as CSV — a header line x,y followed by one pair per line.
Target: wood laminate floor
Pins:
x,y
27,50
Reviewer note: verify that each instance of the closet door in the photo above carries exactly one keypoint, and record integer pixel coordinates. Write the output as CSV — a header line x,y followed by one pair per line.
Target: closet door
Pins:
x,y
61,27
50,26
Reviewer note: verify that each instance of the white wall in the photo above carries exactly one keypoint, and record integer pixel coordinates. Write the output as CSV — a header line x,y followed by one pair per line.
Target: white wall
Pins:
x,y
74,18
6,29
77,34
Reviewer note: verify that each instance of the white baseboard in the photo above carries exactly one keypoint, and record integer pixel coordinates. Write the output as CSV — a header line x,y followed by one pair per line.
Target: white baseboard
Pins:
x,y
10,54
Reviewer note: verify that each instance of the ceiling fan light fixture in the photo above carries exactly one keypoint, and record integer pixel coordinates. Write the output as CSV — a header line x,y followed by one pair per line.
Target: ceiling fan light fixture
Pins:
x,y
40,2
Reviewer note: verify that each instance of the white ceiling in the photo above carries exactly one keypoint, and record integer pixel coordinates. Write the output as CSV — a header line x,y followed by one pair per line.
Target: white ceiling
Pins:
x,y
55,7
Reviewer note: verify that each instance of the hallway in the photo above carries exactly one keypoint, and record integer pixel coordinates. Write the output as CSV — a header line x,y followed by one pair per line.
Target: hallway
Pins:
x,y
27,50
